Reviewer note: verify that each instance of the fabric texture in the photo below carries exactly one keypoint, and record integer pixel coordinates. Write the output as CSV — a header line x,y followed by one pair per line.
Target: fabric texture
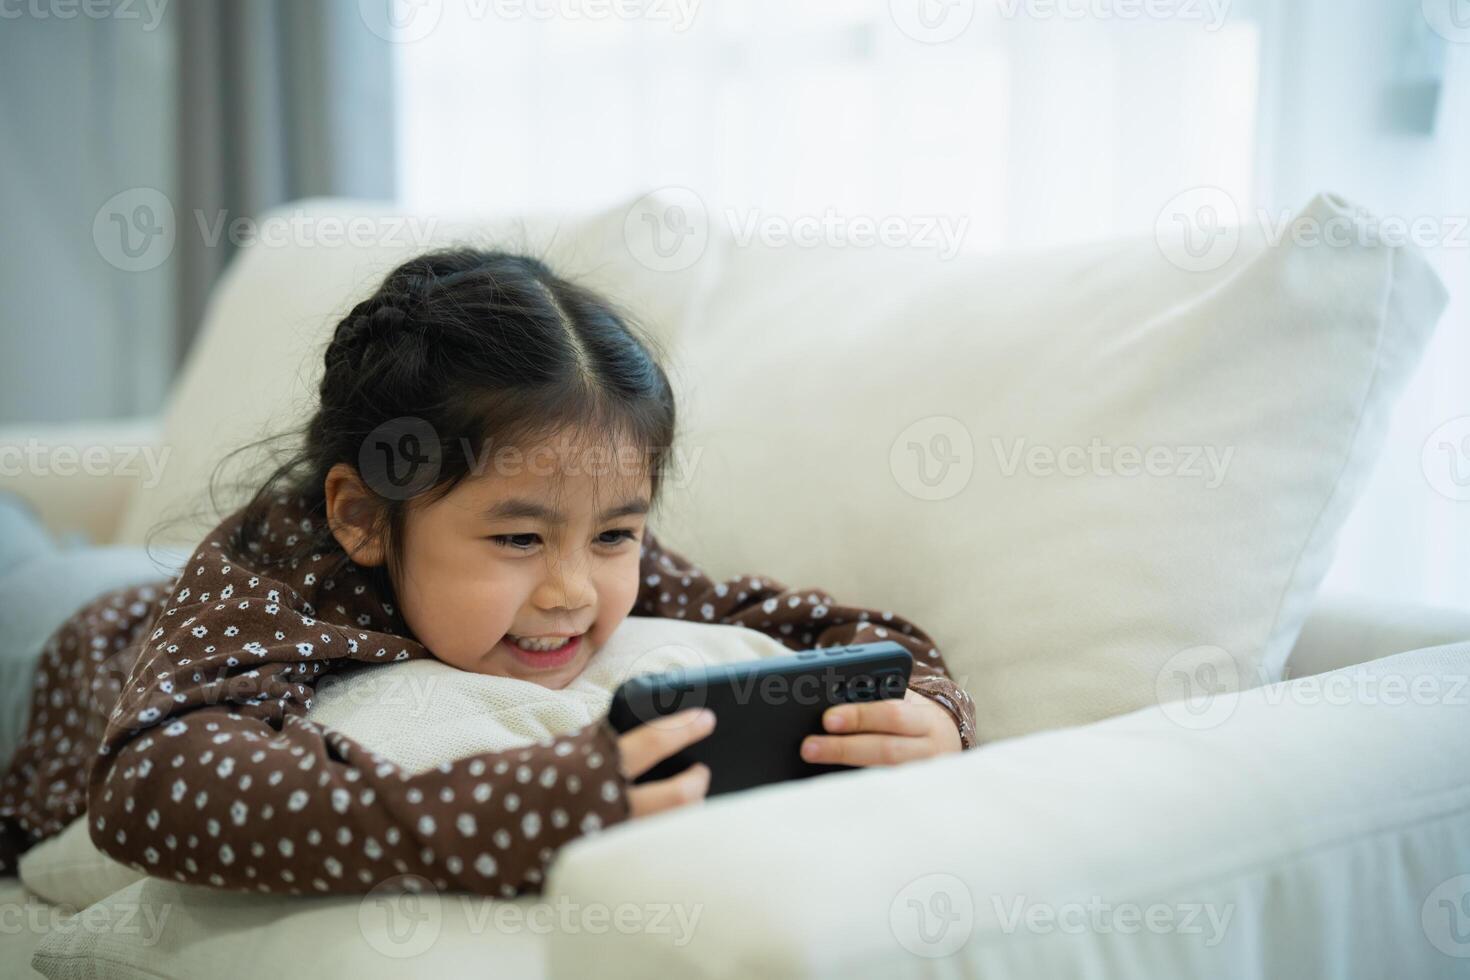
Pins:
x,y
210,771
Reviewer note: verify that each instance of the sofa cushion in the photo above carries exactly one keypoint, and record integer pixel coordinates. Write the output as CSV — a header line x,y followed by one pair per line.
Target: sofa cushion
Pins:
x,y
1098,478
1318,827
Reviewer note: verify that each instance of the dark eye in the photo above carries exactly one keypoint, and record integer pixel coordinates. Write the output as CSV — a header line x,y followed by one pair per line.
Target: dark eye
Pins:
x,y
616,537
514,541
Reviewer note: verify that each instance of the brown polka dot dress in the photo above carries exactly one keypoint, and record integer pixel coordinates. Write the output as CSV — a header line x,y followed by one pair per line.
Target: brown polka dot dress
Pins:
x,y
174,715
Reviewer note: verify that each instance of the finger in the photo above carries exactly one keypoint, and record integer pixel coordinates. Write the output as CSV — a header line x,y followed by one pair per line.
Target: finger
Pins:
x,y
865,749
648,744
892,716
689,786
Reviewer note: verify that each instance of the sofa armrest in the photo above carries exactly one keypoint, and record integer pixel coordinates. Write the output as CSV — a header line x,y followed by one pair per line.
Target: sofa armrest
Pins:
x,y
1244,840
80,476
1348,629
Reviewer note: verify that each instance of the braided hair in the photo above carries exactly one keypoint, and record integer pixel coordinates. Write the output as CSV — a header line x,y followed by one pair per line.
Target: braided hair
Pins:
x,y
456,350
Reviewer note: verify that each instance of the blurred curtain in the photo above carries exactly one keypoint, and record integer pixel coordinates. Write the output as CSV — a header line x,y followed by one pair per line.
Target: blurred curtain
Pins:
x,y
278,100
131,136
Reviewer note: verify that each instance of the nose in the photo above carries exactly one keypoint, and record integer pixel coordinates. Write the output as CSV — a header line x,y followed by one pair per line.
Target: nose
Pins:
x,y
566,586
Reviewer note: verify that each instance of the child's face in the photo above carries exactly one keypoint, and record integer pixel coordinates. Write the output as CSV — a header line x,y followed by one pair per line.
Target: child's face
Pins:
x,y
478,571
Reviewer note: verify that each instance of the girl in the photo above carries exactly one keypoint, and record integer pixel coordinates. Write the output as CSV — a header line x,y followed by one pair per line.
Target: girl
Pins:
x,y
445,502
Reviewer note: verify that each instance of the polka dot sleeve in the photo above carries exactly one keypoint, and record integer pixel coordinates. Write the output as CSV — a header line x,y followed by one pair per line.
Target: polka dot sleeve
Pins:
x,y
210,771
78,676
802,619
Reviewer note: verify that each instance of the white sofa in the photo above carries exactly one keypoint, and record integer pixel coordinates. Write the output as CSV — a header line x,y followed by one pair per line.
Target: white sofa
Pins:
x,y
1308,817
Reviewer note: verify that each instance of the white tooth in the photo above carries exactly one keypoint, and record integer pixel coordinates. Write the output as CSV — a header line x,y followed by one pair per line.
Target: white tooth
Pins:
x,y
527,643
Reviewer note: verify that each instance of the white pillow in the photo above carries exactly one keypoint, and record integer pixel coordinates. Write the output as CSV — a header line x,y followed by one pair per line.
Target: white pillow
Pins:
x,y
67,869
873,436
419,713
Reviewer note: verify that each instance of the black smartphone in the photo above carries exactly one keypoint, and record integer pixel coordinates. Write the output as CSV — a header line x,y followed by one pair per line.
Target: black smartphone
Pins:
x,y
763,708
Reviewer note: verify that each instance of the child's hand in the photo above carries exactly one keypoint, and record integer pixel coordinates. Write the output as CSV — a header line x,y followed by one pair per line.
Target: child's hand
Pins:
x,y
883,733
646,745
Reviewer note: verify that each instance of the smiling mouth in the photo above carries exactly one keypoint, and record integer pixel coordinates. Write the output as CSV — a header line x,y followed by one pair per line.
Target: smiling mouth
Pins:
x,y
542,643
545,657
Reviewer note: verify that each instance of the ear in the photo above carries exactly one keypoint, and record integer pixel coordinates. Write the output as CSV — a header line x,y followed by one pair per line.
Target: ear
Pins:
x,y
350,510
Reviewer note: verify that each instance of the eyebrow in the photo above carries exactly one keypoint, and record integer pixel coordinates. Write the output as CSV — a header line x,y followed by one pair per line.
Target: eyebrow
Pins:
x,y
517,508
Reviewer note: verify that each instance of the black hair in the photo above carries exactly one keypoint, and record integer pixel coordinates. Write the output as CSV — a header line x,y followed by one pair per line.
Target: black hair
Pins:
x,y
460,352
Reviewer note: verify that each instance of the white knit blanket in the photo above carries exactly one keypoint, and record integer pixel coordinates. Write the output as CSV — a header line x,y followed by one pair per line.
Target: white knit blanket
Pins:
x,y
419,713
